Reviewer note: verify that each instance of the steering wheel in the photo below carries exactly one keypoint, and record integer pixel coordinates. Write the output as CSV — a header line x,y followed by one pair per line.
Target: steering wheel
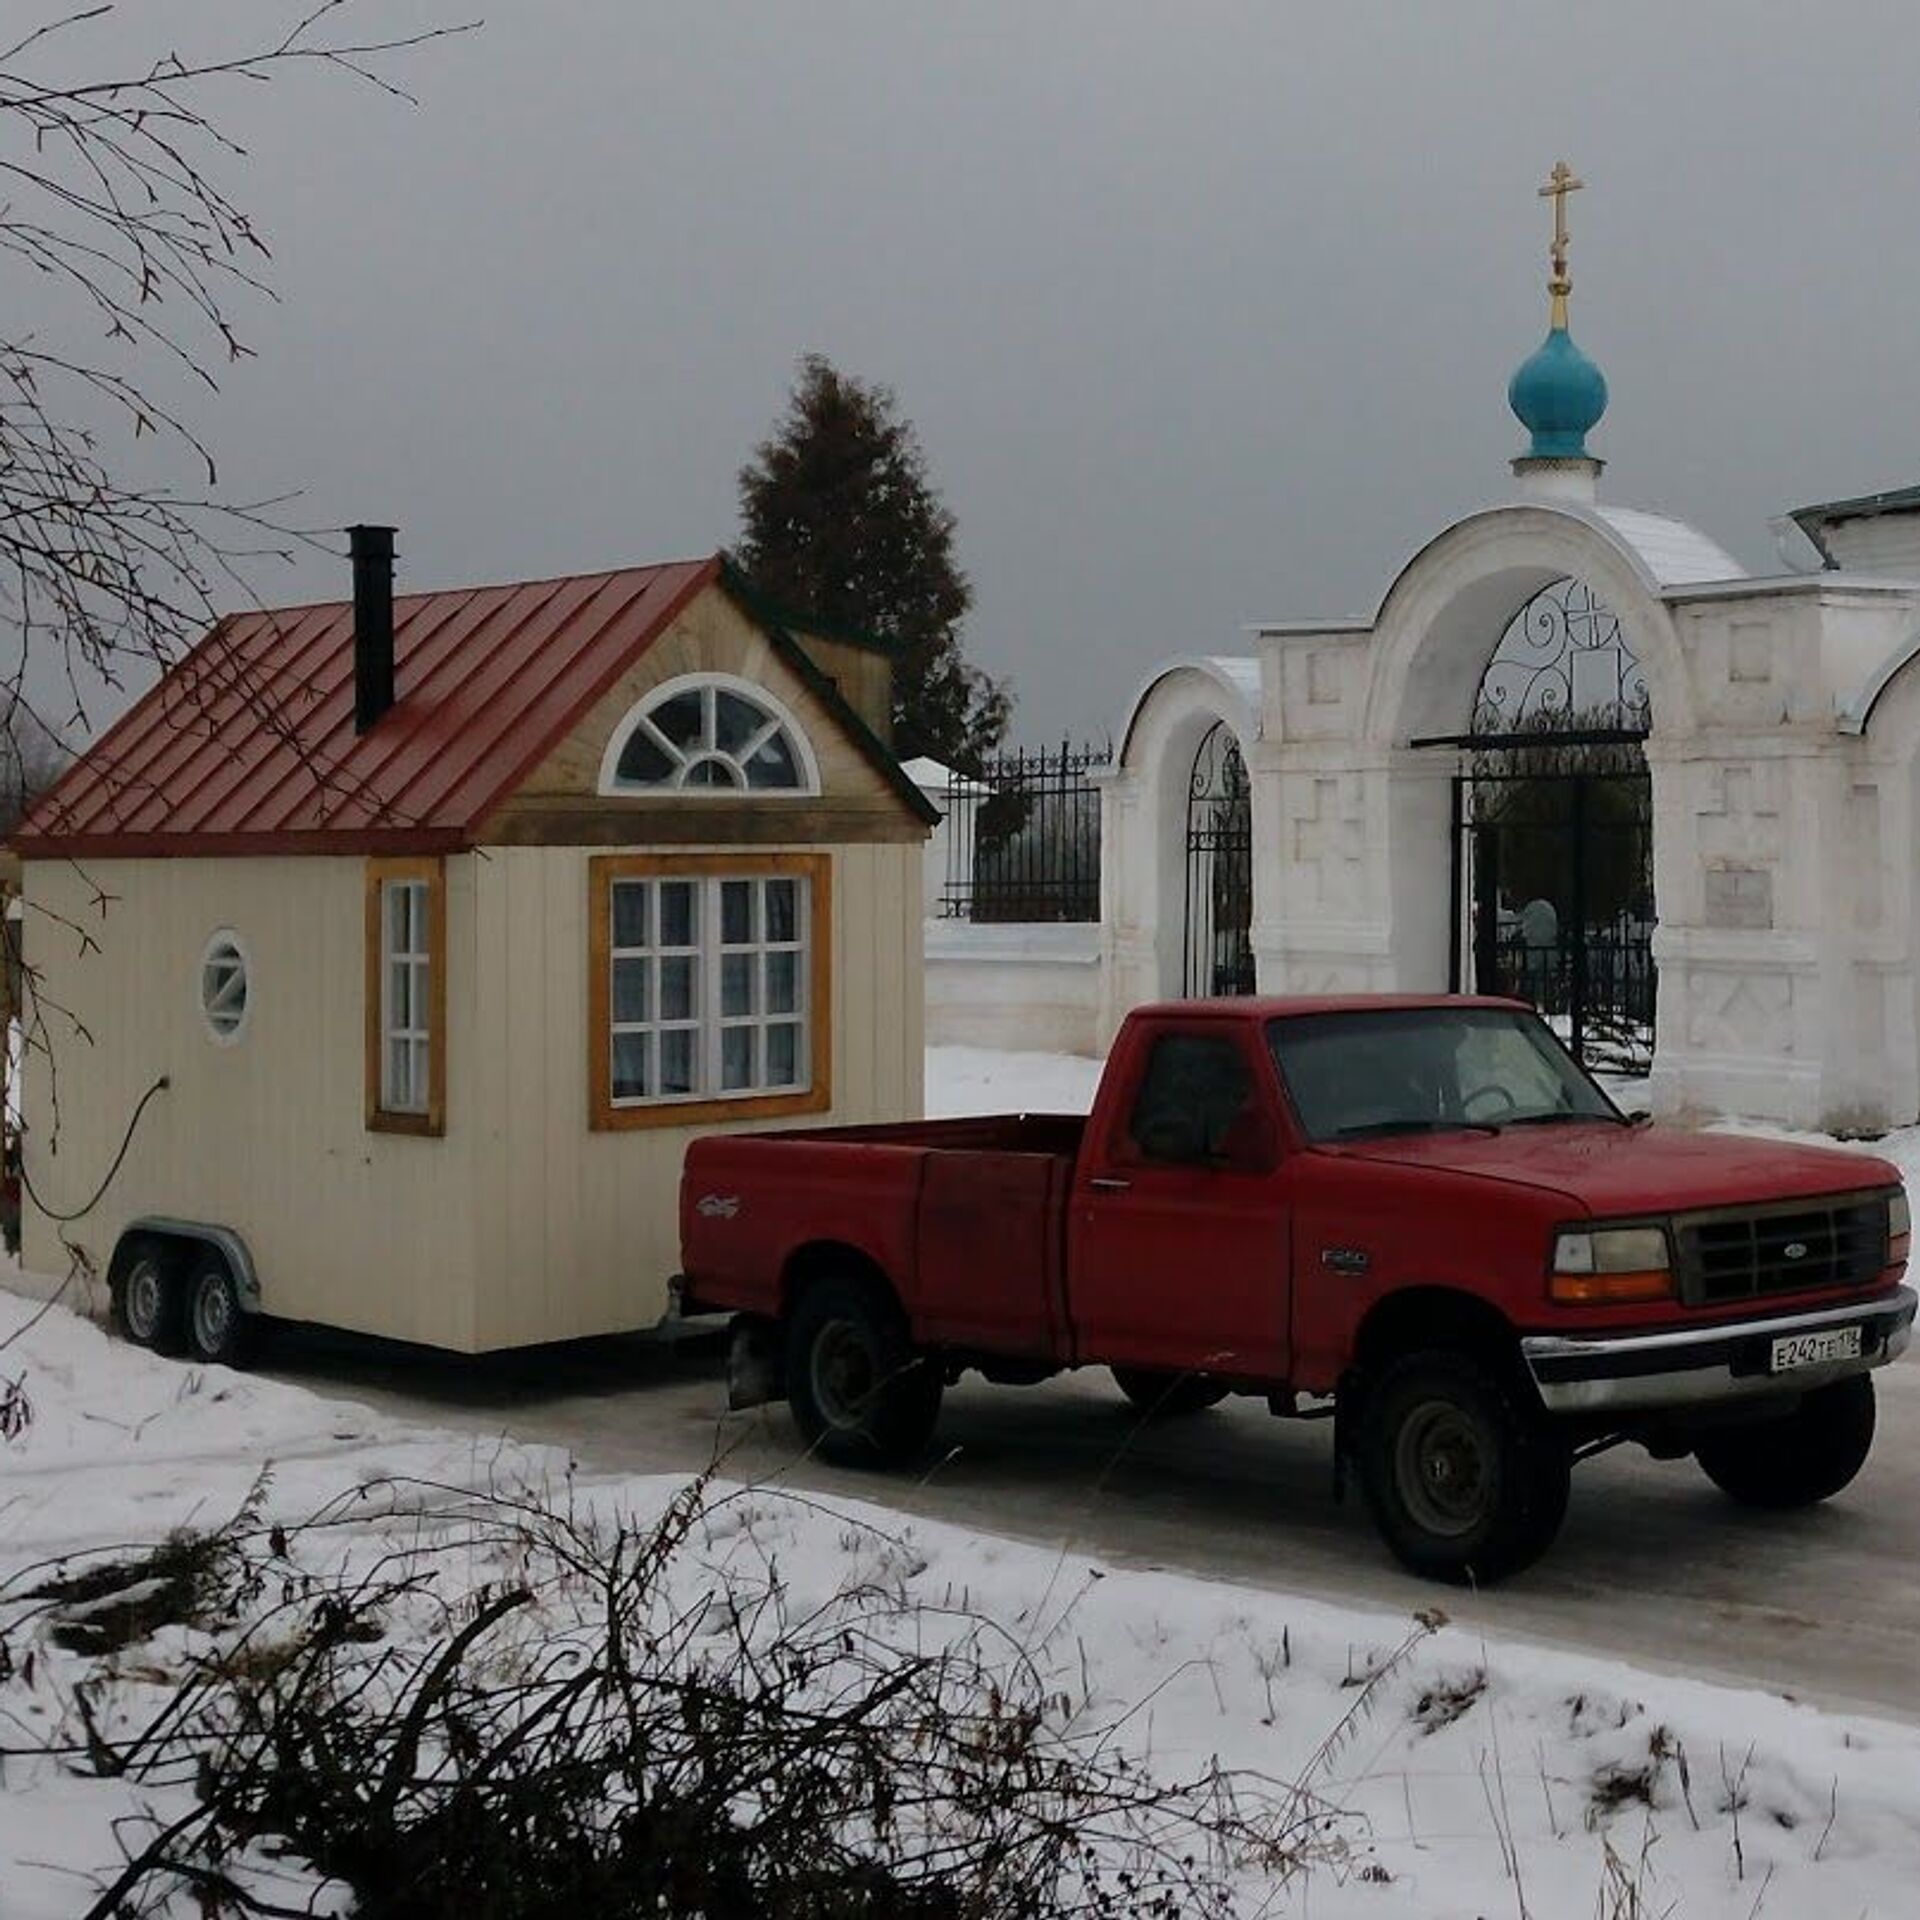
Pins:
x,y
1493,1090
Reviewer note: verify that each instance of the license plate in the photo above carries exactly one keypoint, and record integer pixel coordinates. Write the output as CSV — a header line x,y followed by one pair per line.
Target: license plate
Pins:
x,y
1815,1349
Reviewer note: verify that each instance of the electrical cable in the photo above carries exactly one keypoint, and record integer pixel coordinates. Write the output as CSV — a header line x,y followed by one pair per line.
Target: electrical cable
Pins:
x,y
140,1107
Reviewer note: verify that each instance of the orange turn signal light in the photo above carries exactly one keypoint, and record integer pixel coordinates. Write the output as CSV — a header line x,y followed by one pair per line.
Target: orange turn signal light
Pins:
x,y
1610,1289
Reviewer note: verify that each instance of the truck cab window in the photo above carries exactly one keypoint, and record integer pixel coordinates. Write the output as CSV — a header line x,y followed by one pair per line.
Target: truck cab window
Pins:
x,y
1197,1106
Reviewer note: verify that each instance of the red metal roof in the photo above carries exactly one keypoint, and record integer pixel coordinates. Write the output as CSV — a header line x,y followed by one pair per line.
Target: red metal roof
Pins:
x,y
247,744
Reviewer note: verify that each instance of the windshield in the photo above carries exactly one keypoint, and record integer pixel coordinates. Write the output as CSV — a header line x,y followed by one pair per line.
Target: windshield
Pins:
x,y
1425,1069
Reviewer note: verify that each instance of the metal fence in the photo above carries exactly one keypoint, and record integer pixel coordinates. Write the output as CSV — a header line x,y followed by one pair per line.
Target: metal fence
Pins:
x,y
1023,837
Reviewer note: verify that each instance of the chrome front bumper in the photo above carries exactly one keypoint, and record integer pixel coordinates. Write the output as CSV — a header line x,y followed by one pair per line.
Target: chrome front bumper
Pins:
x,y
1707,1366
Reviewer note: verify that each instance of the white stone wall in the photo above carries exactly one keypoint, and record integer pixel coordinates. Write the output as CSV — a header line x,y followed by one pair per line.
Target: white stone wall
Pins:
x,y
1030,988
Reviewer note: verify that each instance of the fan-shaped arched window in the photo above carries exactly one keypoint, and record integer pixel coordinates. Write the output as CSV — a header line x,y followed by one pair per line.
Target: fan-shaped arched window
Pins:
x,y
709,733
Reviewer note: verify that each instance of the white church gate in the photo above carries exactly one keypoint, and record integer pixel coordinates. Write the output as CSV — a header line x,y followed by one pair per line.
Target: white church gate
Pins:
x,y
1217,943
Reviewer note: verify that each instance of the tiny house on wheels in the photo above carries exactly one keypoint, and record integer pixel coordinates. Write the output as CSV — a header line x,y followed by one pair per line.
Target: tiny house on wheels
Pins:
x,y
395,948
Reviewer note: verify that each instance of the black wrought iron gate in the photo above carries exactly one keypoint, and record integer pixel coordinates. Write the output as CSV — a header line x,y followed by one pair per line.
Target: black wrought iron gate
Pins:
x,y
1218,945
1553,893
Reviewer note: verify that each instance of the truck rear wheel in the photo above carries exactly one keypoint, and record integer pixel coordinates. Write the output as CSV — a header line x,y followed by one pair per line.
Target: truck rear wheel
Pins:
x,y
144,1294
1800,1459
1466,1482
1166,1396
860,1392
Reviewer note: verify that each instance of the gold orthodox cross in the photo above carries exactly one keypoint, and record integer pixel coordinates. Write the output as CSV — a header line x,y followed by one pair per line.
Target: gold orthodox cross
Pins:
x,y
1559,185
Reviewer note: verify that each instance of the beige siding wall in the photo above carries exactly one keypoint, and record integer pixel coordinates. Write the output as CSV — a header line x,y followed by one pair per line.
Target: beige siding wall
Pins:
x,y
865,678
578,1232
521,1225
267,1136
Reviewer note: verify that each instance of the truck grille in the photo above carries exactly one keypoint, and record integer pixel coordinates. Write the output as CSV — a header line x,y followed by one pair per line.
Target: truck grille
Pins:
x,y
1748,1253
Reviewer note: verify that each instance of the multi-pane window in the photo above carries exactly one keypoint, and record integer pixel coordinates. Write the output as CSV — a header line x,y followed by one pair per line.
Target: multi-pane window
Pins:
x,y
406,1032
406,995
708,986
708,734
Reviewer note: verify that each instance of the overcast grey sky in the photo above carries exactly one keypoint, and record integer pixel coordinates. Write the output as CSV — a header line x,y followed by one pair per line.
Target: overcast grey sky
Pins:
x,y
1204,312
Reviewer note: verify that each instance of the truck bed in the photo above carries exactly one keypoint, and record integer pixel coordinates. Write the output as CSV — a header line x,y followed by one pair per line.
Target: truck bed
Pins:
x,y
966,1217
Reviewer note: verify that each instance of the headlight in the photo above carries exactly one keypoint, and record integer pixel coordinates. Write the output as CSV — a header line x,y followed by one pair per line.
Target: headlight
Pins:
x,y
1899,1225
1599,1266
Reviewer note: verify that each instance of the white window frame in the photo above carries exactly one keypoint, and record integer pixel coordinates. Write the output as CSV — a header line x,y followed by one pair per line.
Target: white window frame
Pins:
x,y
778,719
413,962
709,1022
420,957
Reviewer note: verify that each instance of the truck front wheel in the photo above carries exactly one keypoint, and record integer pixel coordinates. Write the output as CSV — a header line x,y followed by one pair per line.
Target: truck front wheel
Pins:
x,y
860,1392
1800,1459
1467,1483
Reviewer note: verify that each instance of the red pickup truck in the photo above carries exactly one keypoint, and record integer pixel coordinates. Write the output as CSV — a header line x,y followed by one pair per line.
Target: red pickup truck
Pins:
x,y
1417,1214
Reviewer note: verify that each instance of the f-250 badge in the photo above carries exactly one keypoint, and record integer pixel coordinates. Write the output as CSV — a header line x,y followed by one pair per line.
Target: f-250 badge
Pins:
x,y
718,1206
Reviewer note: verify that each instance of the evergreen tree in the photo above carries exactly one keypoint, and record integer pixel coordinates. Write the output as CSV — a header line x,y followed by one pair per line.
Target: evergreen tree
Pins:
x,y
841,525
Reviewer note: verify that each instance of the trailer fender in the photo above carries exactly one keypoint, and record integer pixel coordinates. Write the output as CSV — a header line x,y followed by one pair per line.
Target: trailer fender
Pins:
x,y
246,1281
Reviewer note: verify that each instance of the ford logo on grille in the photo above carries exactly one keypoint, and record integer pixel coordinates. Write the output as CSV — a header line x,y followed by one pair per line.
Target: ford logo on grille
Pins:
x,y
1795,1249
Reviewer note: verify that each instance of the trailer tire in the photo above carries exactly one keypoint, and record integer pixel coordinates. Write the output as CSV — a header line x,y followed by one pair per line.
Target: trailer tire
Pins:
x,y
219,1329
1800,1459
1167,1396
145,1296
1466,1480
861,1393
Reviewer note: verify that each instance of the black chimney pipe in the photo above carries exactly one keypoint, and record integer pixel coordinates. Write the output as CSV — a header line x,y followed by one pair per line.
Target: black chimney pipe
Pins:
x,y
372,551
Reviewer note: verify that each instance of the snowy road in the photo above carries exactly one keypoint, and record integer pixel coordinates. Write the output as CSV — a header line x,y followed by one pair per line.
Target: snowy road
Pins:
x,y
1654,1565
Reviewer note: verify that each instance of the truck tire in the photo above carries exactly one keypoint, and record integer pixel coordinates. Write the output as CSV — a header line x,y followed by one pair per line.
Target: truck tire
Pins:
x,y
219,1330
1802,1458
860,1392
1167,1396
1466,1480
144,1294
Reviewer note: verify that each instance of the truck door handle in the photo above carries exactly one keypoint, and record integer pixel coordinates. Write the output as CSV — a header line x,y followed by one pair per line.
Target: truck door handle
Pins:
x,y
1106,1183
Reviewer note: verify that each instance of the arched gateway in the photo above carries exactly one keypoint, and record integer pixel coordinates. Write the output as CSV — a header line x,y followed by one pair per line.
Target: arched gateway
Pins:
x,y
1746,910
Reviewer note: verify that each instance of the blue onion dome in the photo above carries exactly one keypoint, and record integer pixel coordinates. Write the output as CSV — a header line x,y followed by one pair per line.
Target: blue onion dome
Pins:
x,y
1558,395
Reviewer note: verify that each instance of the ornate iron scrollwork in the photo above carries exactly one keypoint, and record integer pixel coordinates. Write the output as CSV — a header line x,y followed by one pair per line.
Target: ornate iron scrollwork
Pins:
x,y
1562,663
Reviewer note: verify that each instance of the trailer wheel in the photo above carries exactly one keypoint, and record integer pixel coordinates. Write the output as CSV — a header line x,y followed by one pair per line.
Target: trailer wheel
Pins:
x,y
144,1292
861,1393
219,1330
1167,1396
1800,1459
1467,1482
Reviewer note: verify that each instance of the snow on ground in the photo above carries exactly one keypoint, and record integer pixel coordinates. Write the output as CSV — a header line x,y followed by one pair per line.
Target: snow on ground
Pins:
x,y
1470,1779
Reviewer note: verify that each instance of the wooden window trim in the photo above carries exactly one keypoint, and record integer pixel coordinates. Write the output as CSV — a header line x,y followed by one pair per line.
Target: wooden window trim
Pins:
x,y
432,869
602,871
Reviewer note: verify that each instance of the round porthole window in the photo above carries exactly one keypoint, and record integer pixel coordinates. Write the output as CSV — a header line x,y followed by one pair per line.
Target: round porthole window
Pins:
x,y
225,985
